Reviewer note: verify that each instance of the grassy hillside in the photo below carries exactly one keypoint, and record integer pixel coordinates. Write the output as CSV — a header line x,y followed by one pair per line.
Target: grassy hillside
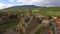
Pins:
x,y
19,9
46,11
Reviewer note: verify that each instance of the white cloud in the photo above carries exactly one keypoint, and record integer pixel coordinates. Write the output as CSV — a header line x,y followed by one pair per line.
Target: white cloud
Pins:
x,y
34,2
19,0
11,0
29,1
2,5
50,6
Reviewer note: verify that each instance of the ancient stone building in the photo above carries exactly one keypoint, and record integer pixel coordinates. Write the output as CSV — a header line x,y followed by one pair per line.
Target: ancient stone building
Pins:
x,y
7,14
28,12
58,23
0,20
20,28
26,27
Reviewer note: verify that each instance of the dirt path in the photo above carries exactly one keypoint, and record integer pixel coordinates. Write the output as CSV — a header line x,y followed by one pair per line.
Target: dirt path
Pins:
x,y
35,29
10,31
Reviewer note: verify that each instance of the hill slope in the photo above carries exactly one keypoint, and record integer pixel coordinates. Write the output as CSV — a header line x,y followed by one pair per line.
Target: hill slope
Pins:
x,y
35,9
22,7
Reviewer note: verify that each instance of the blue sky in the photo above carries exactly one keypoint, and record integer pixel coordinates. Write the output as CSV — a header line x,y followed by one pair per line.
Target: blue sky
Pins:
x,y
9,3
14,2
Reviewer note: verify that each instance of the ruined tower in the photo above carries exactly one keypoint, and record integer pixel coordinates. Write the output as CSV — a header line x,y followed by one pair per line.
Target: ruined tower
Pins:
x,y
28,12
26,27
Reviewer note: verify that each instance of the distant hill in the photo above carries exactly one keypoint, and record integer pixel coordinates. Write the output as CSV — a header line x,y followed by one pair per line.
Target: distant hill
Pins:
x,y
23,8
52,9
